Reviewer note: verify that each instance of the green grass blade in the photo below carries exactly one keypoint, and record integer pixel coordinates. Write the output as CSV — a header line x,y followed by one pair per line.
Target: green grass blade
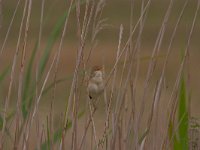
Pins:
x,y
143,136
44,59
51,41
176,143
27,106
42,65
1,126
1,122
58,134
181,143
183,117
2,77
4,73
8,118
48,135
27,81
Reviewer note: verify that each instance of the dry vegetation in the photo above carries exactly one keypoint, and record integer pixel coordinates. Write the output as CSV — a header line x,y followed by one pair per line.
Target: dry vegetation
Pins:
x,y
135,116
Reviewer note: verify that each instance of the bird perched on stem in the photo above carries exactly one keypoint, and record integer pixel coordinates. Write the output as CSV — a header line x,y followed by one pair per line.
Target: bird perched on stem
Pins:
x,y
96,82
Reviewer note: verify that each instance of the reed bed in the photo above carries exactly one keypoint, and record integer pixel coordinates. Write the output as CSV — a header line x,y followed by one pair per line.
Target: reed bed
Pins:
x,y
135,116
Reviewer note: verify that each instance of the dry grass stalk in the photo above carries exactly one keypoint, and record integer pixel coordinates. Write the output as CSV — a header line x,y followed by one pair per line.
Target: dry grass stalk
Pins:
x,y
169,47
122,121
68,11
25,122
128,42
82,33
173,97
37,101
130,67
152,64
86,129
1,14
37,66
108,110
12,76
56,56
133,84
22,66
10,25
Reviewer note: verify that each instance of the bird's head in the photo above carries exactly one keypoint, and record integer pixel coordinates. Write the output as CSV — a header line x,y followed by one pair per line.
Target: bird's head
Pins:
x,y
96,72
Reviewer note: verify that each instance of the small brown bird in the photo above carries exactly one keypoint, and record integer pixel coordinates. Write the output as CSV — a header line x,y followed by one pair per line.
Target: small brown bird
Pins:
x,y
96,82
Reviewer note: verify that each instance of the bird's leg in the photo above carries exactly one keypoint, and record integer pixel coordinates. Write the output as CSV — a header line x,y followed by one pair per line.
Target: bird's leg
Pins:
x,y
94,105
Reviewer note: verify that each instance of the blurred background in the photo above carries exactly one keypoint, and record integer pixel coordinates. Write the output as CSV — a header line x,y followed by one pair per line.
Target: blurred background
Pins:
x,y
116,13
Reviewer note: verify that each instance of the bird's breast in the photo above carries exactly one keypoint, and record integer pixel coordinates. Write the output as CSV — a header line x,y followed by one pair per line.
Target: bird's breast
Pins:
x,y
95,87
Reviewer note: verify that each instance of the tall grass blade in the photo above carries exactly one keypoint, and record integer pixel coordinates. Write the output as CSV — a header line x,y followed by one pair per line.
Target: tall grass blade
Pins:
x,y
43,62
27,81
1,122
183,117
48,135
51,41
8,118
4,73
2,77
176,143
58,134
28,103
